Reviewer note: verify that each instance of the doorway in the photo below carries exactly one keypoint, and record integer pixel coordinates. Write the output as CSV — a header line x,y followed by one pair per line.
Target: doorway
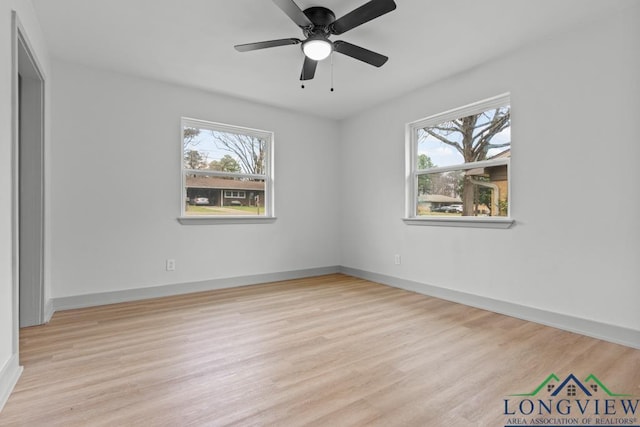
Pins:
x,y
28,173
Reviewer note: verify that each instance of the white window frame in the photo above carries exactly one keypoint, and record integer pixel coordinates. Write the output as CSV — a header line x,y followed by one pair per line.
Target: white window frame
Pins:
x,y
412,173
240,194
269,212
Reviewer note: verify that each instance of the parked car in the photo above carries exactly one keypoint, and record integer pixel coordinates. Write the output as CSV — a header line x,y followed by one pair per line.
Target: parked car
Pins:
x,y
235,203
199,201
448,209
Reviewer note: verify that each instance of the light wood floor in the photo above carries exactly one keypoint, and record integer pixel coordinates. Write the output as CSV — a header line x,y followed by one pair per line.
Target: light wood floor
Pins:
x,y
326,351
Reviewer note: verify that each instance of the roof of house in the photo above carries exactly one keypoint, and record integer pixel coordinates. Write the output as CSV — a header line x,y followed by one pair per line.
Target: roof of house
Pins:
x,y
223,183
506,154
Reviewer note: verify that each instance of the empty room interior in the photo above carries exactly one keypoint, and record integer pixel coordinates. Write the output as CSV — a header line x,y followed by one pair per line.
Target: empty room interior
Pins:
x,y
296,212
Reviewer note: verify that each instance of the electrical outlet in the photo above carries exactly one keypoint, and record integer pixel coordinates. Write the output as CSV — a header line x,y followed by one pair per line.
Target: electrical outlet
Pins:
x,y
397,259
171,265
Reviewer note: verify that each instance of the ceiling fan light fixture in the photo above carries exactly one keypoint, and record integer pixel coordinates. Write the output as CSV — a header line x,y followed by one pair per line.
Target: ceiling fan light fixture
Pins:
x,y
318,24
317,48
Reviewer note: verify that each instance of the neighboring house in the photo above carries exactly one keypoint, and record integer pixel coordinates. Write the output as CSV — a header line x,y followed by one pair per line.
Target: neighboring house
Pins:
x,y
433,201
225,192
494,177
499,181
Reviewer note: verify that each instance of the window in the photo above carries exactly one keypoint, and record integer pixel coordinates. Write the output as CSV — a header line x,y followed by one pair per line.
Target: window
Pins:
x,y
226,172
234,194
458,166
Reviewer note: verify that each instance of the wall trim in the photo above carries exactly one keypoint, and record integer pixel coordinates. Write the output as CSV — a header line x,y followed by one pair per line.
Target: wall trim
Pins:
x,y
90,300
9,376
48,310
604,331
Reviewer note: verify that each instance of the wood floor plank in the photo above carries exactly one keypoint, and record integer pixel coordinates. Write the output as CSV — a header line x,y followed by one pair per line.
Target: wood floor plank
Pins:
x,y
326,351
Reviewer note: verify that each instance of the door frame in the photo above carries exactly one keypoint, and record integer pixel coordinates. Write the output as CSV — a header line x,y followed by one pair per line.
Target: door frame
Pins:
x,y
24,61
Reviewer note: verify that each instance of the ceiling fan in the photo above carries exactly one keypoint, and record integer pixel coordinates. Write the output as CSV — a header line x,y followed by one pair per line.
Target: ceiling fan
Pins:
x,y
318,24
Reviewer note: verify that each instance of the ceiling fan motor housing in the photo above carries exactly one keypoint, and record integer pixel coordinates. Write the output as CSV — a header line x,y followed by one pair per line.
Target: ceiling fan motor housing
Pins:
x,y
322,18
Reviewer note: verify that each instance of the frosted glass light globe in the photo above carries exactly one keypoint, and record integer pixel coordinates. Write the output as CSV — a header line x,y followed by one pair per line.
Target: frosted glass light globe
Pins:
x,y
317,49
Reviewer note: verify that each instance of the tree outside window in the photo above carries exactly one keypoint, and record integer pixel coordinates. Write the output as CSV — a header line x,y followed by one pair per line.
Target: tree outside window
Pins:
x,y
219,160
460,161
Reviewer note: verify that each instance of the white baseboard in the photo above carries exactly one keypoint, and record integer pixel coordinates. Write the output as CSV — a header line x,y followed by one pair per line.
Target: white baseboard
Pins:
x,y
9,375
90,300
591,328
615,334
48,310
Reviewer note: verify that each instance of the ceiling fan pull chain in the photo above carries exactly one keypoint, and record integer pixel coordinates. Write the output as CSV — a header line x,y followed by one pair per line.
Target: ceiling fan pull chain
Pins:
x,y
332,71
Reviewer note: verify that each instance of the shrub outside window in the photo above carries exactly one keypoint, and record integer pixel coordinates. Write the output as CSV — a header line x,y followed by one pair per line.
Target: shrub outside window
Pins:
x,y
458,163
226,171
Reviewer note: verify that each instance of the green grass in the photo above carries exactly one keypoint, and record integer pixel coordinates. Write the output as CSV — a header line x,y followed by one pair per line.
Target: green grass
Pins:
x,y
249,209
198,210
426,212
439,214
227,210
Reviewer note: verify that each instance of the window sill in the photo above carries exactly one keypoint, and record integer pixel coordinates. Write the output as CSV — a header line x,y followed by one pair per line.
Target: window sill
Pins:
x,y
472,222
210,220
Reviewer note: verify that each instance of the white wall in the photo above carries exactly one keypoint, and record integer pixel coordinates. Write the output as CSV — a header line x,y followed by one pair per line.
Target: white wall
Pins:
x,y
116,187
575,246
27,17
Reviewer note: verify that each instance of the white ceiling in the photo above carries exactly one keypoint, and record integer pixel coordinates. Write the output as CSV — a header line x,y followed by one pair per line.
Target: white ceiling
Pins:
x,y
190,42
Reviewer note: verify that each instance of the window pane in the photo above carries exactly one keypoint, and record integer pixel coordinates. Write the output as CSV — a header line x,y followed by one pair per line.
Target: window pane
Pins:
x,y
481,136
223,151
208,195
472,192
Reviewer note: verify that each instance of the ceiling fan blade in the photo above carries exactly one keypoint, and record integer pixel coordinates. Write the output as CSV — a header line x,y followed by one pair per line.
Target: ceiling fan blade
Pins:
x,y
308,69
294,12
359,53
263,45
361,15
